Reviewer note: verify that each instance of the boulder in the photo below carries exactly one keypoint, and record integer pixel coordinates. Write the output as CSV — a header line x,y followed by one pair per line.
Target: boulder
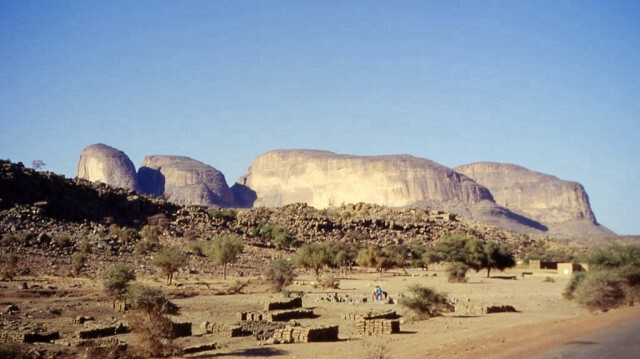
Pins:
x,y
102,163
184,181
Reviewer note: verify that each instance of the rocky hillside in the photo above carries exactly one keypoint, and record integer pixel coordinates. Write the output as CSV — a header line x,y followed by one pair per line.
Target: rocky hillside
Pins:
x,y
47,218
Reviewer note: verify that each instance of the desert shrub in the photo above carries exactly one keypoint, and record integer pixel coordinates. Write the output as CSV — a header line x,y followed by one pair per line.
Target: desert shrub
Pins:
x,y
127,235
9,239
278,235
314,256
63,241
150,301
144,246
224,250
78,260
197,248
549,280
169,261
117,281
150,321
12,351
377,349
85,246
574,283
150,233
94,350
280,274
423,302
236,287
10,267
457,272
226,215
330,282
601,290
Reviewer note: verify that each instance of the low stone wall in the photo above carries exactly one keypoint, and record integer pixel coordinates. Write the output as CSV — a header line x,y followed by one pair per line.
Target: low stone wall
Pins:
x,y
223,329
306,335
290,304
371,327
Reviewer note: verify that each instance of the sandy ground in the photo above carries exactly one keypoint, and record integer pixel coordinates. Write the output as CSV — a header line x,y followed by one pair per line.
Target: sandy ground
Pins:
x,y
544,318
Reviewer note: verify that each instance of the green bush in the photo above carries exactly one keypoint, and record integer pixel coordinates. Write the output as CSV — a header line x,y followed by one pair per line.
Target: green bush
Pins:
x,y
574,283
226,215
85,246
280,274
63,241
117,282
78,260
169,261
457,272
10,267
601,290
424,302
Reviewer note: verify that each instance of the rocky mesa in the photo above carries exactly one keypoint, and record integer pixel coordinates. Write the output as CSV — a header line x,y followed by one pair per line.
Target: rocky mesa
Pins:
x,y
561,205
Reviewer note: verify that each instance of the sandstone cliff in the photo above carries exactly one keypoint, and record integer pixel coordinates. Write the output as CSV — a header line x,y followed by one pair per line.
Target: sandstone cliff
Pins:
x,y
323,179
102,163
183,180
560,205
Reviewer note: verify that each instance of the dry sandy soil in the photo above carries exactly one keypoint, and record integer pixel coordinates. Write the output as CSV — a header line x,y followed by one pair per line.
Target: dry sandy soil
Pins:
x,y
544,318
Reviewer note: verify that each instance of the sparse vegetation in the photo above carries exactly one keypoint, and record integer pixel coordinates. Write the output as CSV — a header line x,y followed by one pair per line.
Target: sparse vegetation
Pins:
x,y
280,274
314,256
224,250
10,267
457,272
63,241
78,260
602,290
117,282
423,302
226,215
377,349
169,260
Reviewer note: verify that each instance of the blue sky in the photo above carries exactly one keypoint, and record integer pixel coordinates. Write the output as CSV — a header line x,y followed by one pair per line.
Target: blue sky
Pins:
x,y
550,85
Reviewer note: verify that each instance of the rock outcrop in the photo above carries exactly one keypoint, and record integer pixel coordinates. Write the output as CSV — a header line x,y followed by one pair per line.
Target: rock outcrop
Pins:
x,y
323,179
556,203
102,163
184,181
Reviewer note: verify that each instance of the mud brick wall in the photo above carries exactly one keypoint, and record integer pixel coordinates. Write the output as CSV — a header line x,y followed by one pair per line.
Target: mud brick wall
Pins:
x,y
371,327
29,337
386,314
93,332
290,304
482,308
278,316
306,335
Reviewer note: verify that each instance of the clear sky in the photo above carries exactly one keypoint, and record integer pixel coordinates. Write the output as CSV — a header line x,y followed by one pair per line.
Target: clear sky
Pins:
x,y
553,86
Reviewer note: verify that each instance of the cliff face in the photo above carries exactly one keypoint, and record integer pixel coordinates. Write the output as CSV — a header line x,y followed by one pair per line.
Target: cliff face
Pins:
x,y
102,163
536,195
323,179
185,181
563,206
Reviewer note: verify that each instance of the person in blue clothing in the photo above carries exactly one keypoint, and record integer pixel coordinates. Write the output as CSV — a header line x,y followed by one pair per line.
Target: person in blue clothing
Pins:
x,y
378,293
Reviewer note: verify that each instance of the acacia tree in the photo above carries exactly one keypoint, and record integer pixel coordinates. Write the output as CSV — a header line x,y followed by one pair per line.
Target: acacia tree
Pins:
x,y
224,250
169,261
497,256
314,256
117,282
372,257
280,274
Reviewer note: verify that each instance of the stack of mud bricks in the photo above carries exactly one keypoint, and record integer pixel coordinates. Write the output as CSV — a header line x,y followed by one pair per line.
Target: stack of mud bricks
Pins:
x,y
225,330
280,316
371,324
306,335
372,327
28,337
290,304
387,314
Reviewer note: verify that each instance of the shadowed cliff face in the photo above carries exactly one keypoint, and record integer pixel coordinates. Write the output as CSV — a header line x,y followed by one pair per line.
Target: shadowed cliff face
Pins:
x,y
535,195
102,163
563,206
183,180
322,179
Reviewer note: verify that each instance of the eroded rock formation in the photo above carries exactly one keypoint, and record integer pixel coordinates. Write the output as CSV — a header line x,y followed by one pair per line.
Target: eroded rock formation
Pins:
x,y
183,180
557,203
102,163
323,179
